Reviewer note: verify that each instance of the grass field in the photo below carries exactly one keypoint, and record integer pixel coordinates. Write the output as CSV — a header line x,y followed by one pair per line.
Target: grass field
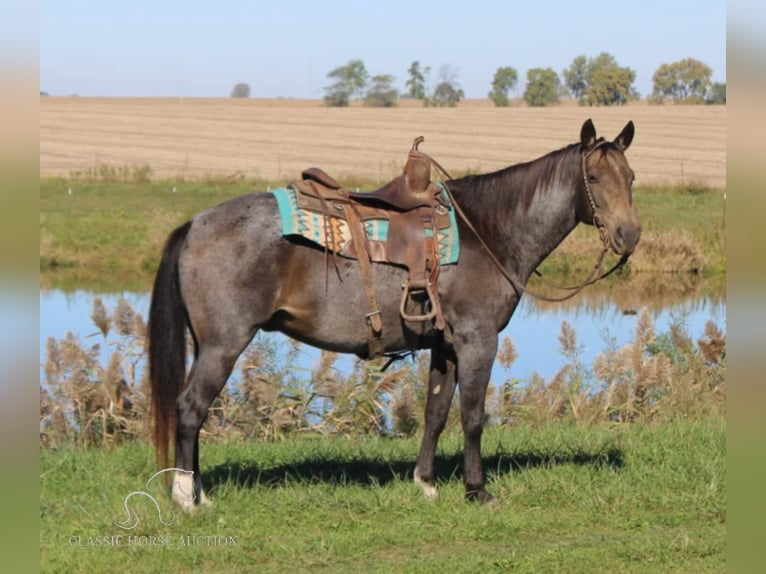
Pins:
x,y
120,159
109,235
630,498
276,139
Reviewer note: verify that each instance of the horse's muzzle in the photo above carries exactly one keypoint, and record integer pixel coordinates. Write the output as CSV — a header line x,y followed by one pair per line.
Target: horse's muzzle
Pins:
x,y
625,239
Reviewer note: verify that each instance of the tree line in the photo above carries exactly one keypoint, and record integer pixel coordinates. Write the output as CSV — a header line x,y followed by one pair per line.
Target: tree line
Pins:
x,y
598,81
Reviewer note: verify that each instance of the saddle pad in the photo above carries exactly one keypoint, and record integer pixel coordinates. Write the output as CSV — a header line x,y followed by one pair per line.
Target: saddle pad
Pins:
x,y
314,225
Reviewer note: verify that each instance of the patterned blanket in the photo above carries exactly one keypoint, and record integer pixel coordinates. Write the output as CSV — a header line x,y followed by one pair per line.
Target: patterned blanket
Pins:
x,y
314,226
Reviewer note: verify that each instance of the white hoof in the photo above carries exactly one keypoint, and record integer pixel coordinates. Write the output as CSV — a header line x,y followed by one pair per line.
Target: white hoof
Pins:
x,y
182,491
429,490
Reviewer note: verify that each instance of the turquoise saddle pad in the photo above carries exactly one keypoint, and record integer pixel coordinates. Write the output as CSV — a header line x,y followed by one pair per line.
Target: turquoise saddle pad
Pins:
x,y
316,227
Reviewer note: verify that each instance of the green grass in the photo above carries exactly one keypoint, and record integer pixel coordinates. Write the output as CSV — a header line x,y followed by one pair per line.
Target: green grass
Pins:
x,y
108,235
630,498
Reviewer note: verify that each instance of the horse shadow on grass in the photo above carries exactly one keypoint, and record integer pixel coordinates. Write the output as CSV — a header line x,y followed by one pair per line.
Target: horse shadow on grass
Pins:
x,y
374,472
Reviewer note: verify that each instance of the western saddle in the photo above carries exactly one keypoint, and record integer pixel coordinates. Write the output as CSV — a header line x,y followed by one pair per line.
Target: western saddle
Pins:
x,y
415,208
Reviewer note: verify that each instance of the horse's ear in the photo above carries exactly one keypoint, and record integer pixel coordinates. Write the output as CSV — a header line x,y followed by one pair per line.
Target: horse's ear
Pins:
x,y
623,140
588,134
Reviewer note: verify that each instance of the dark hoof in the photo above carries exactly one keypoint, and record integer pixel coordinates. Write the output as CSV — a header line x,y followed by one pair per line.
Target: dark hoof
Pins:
x,y
482,497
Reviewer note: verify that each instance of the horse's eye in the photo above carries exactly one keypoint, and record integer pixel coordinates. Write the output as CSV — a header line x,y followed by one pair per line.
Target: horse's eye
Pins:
x,y
592,179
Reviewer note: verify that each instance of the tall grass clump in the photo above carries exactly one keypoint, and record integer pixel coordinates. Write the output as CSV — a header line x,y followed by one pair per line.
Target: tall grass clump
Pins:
x,y
136,173
94,393
656,377
87,402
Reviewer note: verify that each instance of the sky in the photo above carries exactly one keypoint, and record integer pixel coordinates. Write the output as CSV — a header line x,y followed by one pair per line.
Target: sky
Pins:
x,y
285,48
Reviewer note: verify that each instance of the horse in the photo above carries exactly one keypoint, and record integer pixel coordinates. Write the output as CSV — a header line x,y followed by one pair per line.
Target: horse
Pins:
x,y
229,272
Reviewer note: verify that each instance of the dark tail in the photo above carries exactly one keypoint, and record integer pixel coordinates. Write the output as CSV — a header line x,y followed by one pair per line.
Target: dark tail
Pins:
x,y
167,344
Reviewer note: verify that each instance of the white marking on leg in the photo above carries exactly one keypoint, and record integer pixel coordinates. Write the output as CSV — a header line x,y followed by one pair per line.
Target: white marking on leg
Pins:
x,y
429,490
437,389
182,491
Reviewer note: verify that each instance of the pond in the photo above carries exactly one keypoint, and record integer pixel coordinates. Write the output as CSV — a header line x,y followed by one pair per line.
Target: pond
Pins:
x,y
600,314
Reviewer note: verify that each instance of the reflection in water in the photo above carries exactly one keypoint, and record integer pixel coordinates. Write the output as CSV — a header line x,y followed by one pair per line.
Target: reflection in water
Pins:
x,y
607,311
651,291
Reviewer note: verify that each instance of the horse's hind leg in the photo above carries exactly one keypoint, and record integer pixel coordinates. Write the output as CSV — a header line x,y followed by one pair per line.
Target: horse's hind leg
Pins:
x,y
207,378
441,387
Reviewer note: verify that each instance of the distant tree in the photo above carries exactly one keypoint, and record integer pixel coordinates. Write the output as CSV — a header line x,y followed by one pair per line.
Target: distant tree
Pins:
x,y
447,91
42,93
240,90
416,83
446,95
717,94
504,81
683,81
576,78
350,81
543,87
611,86
382,93
599,81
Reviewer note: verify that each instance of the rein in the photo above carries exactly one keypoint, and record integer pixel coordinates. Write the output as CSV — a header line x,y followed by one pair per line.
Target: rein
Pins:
x,y
590,280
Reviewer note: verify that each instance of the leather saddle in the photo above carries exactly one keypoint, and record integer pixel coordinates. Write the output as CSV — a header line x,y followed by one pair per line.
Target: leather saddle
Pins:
x,y
414,208
408,191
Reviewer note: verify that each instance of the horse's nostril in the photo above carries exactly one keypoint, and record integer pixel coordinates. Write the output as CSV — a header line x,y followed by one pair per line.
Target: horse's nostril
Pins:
x,y
627,236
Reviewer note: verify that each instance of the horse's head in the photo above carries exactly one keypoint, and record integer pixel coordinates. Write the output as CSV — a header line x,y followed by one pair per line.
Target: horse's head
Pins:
x,y
607,198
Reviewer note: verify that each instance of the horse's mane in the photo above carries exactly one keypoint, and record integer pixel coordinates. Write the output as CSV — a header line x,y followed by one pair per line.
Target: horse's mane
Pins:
x,y
497,196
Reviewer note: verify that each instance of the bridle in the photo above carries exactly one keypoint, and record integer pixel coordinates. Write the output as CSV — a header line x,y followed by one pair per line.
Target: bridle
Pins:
x,y
589,194
574,290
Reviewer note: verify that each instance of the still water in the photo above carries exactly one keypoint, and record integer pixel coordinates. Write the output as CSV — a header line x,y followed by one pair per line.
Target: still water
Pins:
x,y
534,329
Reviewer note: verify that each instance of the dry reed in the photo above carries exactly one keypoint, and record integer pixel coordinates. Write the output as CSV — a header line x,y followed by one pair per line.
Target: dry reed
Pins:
x,y
94,398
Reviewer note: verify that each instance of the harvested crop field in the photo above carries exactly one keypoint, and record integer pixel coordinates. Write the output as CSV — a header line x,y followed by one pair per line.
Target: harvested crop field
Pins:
x,y
276,139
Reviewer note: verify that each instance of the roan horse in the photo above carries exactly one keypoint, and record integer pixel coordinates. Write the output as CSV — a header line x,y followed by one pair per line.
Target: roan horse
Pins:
x,y
229,272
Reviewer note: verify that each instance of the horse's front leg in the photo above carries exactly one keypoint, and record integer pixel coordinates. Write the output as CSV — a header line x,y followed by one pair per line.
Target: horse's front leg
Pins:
x,y
475,358
441,388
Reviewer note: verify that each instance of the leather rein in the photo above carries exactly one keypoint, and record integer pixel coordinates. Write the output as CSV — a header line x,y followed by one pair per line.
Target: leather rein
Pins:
x,y
590,280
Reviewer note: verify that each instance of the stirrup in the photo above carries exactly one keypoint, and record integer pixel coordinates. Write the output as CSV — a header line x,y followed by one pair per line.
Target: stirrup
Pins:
x,y
407,289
